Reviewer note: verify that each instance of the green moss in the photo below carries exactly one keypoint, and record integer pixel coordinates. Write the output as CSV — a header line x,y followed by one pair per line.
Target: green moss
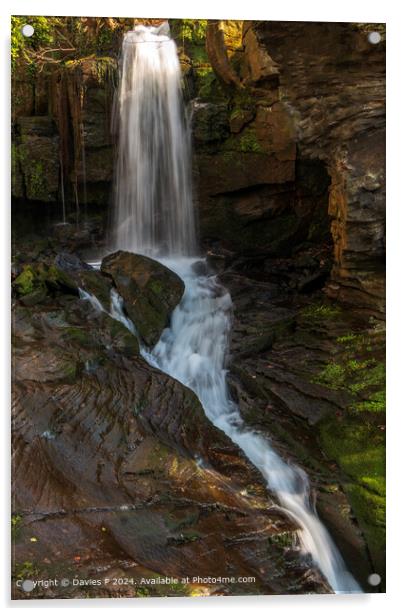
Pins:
x,y
35,181
178,589
156,287
364,379
245,142
333,376
79,335
24,283
36,280
249,142
359,450
375,404
70,370
321,311
369,510
351,340
284,540
207,85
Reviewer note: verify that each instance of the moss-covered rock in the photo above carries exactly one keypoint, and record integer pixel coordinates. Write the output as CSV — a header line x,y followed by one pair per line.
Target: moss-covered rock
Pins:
x,y
37,280
150,291
359,449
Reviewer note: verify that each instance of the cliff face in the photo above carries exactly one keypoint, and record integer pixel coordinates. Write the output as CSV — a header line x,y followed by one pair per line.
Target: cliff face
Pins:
x,y
298,96
65,146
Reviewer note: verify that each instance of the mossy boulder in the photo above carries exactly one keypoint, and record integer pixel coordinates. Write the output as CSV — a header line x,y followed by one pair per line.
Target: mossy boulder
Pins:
x,y
150,291
37,280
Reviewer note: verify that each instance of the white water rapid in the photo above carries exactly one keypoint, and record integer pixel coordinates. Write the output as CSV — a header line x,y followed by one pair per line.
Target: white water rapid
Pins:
x,y
154,216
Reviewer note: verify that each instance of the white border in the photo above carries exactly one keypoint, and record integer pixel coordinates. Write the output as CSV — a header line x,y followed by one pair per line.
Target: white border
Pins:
x,y
288,10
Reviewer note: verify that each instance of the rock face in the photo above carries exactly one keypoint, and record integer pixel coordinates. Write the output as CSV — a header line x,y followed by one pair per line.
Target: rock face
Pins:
x,y
63,147
116,467
341,120
150,291
329,104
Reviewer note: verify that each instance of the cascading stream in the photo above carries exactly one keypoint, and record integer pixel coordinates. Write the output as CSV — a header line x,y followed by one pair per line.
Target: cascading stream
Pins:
x,y
154,216
193,351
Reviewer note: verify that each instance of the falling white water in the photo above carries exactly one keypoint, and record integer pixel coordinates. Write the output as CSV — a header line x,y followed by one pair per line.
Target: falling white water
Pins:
x,y
153,211
154,216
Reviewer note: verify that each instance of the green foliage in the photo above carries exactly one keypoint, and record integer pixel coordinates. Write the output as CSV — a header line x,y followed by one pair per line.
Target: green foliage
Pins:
x,y
36,180
359,448
357,372
249,142
207,85
21,45
38,279
193,30
244,143
333,376
25,570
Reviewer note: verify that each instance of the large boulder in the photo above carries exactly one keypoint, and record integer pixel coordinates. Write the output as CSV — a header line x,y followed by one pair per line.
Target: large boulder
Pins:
x,y
150,291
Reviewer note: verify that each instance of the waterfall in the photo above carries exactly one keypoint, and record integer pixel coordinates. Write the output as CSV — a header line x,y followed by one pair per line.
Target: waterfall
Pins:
x,y
154,216
153,211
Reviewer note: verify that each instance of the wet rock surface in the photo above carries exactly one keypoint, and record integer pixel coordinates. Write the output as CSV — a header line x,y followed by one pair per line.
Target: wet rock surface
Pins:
x,y
116,466
296,363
